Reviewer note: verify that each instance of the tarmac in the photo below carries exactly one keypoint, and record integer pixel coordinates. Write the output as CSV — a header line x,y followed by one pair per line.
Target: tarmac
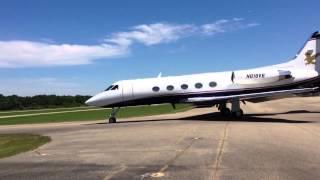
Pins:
x,y
275,140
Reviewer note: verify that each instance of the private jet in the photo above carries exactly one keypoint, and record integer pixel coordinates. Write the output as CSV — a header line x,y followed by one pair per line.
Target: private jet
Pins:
x,y
297,77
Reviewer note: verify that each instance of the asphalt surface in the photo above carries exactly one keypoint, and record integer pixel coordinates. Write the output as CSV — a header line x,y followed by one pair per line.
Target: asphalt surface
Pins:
x,y
275,140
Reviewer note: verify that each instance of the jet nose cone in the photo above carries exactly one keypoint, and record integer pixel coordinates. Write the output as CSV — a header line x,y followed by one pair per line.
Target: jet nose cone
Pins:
x,y
102,99
91,101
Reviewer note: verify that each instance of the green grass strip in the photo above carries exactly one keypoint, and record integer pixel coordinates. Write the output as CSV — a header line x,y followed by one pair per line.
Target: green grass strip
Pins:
x,y
95,114
22,112
11,144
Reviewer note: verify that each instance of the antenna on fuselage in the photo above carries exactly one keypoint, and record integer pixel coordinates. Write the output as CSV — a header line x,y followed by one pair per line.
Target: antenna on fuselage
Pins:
x,y
159,75
232,77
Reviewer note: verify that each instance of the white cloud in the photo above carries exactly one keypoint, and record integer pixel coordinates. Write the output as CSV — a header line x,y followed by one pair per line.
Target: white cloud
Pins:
x,y
28,53
19,53
225,25
152,34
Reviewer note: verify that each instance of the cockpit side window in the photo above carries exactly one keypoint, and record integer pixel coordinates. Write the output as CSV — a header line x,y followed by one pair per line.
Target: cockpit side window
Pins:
x,y
109,88
115,87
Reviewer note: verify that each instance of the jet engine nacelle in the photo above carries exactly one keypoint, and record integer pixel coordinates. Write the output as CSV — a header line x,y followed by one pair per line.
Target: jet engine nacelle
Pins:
x,y
259,77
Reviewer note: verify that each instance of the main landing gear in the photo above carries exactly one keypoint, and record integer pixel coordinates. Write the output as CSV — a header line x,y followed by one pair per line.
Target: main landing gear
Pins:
x,y
235,111
112,117
224,110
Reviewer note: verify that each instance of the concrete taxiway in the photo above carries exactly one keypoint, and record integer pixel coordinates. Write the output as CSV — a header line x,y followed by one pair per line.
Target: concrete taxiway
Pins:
x,y
275,140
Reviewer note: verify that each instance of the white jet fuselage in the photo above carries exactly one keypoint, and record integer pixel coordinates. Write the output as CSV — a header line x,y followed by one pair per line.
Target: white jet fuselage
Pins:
x,y
141,91
298,76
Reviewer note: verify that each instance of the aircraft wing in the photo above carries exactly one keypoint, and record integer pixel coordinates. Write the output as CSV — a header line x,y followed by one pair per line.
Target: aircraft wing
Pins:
x,y
249,96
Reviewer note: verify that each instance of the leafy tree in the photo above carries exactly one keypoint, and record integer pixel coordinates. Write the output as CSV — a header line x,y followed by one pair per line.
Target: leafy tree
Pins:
x,y
14,102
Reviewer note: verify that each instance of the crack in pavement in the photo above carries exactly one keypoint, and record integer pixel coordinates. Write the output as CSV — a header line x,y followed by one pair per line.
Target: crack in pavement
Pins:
x,y
221,148
172,160
307,130
115,171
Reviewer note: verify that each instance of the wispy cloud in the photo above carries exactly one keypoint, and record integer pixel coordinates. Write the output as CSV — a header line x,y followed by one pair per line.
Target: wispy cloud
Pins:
x,y
28,53
226,25
152,34
19,53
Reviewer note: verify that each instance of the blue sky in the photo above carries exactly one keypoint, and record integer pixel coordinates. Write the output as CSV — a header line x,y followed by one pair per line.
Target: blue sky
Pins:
x,y
80,47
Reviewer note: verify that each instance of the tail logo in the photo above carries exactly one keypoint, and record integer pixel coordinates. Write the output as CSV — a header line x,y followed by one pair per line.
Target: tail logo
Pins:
x,y
310,59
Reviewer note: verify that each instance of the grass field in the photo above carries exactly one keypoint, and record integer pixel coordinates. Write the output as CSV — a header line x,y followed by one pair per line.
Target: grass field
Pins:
x,y
34,111
11,144
94,114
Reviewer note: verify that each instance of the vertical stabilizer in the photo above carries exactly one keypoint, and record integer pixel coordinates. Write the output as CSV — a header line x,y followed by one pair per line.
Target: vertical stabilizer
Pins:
x,y
317,37
309,55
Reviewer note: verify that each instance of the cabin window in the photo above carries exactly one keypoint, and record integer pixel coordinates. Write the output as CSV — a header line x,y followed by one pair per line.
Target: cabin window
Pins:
x,y
170,88
184,86
115,87
198,85
212,84
109,88
156,89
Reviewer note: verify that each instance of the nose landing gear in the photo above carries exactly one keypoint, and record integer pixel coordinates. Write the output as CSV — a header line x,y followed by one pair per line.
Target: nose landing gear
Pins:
x,y
112,117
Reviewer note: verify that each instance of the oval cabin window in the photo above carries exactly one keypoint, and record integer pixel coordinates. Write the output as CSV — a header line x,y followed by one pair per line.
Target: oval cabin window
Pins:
x,y
156,89
184,86
198,85
212,84
170,88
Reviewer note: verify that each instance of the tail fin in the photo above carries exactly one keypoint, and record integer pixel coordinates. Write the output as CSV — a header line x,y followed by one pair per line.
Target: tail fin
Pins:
x,y
309,55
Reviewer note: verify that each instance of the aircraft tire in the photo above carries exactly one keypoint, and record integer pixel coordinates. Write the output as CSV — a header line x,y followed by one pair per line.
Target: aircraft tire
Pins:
x,y
112,120
225,111
238,114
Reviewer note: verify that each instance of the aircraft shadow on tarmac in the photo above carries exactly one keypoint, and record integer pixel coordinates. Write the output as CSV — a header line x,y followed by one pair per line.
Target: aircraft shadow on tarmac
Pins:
x,y
289,112
216,116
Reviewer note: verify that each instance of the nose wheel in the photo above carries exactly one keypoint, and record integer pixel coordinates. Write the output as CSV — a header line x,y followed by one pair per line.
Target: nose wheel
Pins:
x,y
112,117
112,120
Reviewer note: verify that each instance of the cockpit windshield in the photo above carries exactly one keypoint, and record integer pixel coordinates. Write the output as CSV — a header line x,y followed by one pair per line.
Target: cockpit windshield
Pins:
x,y
109,88
112,87
115,87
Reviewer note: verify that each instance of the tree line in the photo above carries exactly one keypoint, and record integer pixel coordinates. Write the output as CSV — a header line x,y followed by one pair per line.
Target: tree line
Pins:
x,y
15,102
